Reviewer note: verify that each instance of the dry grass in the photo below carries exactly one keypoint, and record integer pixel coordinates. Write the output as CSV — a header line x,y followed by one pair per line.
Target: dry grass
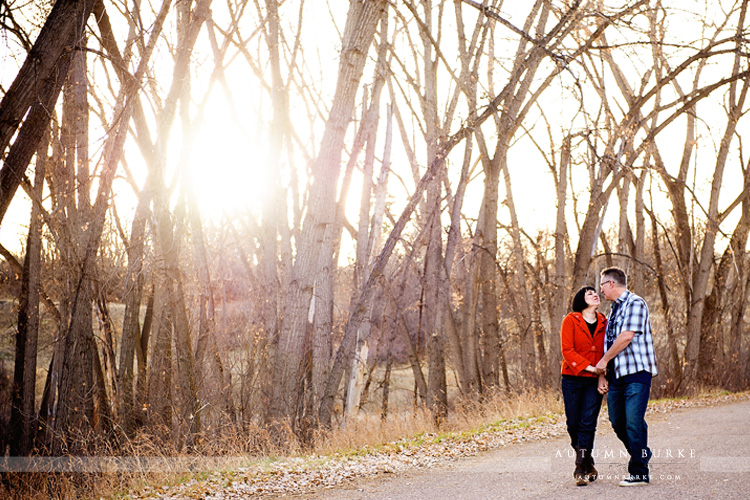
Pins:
x,y
256,447
254,444
368,430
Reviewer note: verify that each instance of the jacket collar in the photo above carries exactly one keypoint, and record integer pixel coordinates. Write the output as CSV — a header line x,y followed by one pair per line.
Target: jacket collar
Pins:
x,y
579,316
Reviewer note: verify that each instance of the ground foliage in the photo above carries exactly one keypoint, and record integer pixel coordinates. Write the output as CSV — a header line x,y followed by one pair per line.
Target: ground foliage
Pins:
x,y
305,474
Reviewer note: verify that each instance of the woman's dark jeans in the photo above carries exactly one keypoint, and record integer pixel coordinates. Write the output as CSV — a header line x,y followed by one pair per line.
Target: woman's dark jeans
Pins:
x,y
582,404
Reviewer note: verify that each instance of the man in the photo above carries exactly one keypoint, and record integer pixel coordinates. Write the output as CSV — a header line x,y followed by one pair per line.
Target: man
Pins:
x,y
630,363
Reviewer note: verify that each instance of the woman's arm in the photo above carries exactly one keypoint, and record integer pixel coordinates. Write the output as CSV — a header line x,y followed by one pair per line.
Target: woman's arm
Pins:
x,y
572,357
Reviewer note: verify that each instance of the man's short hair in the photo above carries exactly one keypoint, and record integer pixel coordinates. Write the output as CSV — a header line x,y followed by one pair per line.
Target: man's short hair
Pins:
x,y
616,274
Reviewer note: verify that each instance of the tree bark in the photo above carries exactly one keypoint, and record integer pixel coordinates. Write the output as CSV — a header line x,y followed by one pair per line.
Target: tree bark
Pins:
x,y
62,30
23,415
706,258
362,20
34,126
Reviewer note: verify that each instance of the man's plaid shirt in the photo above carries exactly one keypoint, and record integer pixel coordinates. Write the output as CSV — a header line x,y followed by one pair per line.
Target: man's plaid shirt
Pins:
x,y
632,315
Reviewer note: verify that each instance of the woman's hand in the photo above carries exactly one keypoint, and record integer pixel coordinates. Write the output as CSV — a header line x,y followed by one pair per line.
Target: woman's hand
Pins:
x,y
603,386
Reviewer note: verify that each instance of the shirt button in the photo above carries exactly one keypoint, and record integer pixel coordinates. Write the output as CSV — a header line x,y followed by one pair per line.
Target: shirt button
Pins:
x,y
575,364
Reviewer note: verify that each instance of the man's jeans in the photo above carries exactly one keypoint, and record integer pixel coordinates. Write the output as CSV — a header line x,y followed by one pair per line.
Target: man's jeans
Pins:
x,y
582,405
627,408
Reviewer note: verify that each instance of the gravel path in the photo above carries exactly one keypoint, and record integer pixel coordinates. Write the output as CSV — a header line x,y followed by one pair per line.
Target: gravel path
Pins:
x,y
701,453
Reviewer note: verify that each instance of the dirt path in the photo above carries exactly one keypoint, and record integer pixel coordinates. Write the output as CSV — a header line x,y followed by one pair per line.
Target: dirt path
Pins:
x,y
699,453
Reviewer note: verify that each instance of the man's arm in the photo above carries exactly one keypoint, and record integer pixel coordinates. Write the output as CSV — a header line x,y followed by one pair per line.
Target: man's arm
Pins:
x,y
621,342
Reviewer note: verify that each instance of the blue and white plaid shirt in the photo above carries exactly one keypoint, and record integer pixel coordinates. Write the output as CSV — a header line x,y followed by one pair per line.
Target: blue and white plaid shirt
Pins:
x,y
631,314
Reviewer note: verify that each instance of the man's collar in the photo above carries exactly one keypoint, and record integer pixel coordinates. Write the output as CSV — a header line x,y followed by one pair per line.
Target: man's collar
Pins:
x,y
623,296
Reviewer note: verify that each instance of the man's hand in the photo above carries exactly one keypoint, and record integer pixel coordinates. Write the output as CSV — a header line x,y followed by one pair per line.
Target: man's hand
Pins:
x,y
596,370
602,365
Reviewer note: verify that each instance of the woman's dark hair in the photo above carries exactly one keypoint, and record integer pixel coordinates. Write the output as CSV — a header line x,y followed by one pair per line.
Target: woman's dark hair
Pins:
x,y
579,301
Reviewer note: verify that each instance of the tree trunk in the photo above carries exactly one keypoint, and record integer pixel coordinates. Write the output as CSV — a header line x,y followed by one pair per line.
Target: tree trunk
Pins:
x,y
168,255
362,263
489,339
31,132
707,256
23,415
131,327
469,333
212,381
78,386
674,371
362,20
75,405
559,296
160,393
437,389
713,328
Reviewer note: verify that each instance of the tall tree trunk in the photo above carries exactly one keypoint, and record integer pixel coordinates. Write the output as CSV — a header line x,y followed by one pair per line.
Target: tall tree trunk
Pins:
x,y
130,349
437,389
23,415
35,125
362,20
168,240
168,244
131,323
738,307
77,389
489,339
362,263
75,405
275,234
713,327
559,296
142,359
637,275
160,392
470,333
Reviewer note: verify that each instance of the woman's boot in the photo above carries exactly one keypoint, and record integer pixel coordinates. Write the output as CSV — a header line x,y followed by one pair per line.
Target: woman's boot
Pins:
x,y
588,465
580,472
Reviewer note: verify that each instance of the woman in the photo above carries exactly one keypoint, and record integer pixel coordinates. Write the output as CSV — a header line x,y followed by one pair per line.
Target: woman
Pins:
x,y
582,340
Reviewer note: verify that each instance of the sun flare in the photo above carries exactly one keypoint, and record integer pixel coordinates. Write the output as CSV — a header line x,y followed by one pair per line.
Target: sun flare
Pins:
x,y
229,166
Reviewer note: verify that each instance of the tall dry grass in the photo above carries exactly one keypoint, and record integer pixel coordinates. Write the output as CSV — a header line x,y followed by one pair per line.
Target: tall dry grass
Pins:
x,y
368,430
256,444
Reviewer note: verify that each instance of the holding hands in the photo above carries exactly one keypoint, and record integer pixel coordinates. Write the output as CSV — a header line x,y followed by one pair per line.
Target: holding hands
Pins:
x,y
596,370
603,386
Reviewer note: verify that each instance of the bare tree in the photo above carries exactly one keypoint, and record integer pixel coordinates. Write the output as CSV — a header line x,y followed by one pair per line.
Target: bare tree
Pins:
x,y
358,35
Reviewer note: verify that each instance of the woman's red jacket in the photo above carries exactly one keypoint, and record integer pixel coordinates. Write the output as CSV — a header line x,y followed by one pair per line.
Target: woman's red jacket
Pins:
x,y
579,348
